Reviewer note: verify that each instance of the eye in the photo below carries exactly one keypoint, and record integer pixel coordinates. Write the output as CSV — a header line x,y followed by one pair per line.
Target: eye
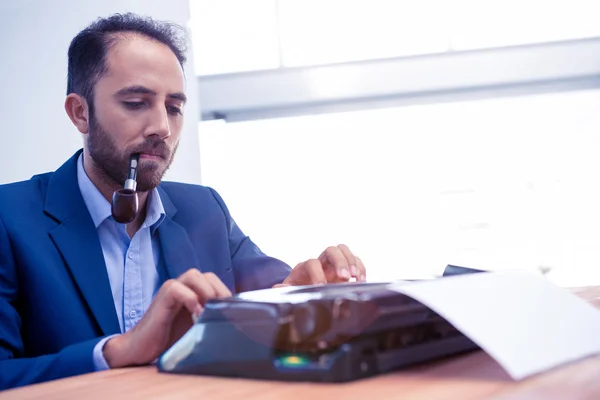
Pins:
x,y
133,105
174,110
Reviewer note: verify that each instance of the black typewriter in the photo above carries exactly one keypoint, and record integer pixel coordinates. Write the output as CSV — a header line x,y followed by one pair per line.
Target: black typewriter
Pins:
x,y
331,333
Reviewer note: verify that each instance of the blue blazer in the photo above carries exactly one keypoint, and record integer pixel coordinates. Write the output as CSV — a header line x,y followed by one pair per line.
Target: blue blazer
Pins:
x,y
55,296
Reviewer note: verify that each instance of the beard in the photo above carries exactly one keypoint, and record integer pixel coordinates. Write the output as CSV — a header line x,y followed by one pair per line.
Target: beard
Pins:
x,y
113,162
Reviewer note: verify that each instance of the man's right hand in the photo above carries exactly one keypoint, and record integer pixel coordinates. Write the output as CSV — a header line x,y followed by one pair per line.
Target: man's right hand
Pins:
x,y
176,305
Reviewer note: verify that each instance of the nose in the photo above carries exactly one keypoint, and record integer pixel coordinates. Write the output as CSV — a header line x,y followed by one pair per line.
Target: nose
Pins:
x,y
158,123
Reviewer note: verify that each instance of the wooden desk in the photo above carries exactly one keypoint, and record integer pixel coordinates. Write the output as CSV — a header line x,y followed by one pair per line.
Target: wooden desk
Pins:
x,y
471,376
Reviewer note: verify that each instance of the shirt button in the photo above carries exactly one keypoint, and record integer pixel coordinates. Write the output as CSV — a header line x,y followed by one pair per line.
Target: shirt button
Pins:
x,y
132,314
130,255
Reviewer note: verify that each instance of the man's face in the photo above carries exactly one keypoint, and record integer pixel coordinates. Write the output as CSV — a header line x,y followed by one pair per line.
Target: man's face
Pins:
x,y
137,108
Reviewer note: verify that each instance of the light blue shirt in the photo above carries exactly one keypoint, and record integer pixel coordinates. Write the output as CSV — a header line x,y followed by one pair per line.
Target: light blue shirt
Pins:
x,y
132,264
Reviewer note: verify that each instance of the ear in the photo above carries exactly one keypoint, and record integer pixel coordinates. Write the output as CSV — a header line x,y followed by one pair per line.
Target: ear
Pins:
x,y
78,111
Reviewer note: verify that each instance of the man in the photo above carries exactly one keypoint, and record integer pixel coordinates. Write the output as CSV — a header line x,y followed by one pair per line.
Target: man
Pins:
x,y
80,292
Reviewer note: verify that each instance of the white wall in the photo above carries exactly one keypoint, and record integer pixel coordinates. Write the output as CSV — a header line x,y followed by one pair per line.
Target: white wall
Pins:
x,y
36,134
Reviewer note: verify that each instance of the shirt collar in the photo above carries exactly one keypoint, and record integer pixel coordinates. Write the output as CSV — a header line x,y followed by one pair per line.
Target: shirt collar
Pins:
x,y
100,208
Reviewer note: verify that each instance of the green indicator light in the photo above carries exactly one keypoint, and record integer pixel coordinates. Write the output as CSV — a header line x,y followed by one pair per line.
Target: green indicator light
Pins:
x,y
294,361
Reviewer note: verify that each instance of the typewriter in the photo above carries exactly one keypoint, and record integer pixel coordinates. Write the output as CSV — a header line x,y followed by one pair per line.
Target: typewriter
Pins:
x,y
331,333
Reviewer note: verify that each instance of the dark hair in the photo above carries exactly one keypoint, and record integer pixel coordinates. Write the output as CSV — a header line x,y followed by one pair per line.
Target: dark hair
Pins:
x,y
87,52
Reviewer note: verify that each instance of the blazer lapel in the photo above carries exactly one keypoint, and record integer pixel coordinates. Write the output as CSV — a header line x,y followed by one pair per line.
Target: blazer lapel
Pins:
x,y
77,240
177,249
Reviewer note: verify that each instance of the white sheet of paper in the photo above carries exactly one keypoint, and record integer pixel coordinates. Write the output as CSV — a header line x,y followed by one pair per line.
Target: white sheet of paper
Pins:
x,y
523,321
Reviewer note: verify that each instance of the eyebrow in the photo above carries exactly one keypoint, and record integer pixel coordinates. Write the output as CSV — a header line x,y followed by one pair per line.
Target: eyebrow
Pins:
x,y
144,90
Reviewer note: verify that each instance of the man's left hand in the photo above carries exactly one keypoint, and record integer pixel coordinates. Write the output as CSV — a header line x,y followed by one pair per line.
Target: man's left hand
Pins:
x,y
335,265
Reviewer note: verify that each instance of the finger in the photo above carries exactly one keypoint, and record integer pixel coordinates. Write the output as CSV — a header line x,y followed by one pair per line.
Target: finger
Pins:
x,y
221,290
362,270
196,281
177,295
313,272
351,259
333,256
281,285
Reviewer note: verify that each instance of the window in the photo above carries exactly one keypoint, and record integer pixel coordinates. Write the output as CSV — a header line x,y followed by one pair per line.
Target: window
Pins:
x,y
233,35
488,24
505,183
247,35
322,32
